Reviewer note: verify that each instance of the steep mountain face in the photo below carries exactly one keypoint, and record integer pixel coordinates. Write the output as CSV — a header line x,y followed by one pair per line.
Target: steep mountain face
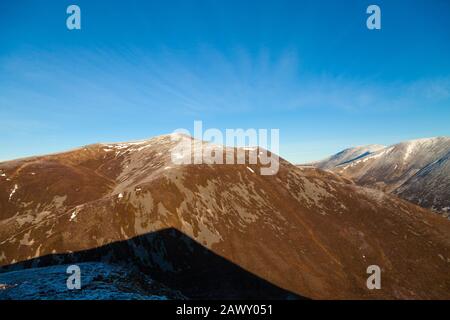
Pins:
x,y
416,170
430,186
306,231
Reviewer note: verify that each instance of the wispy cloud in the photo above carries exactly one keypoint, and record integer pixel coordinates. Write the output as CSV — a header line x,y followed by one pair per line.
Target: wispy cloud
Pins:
x,y
202,82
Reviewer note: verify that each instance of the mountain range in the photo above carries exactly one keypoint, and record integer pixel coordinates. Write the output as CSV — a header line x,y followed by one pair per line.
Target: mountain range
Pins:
x,y
209,231
416,170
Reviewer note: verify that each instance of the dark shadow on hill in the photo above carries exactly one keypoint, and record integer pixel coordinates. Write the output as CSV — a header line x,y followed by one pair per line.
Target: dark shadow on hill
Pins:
x,y
177,261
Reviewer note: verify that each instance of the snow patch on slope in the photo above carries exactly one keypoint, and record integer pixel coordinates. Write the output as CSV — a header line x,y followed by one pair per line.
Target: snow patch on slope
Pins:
x,y
13,191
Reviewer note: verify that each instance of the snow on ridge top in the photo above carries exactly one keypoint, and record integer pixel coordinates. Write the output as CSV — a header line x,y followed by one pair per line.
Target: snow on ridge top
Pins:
x,y
411,145
162,137
349,155
369,147
365,158
404,150
425,140
125,147
121,145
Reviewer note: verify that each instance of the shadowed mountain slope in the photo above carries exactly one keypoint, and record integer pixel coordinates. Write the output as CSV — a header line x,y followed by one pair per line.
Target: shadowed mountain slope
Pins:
x,y
99,281
174,260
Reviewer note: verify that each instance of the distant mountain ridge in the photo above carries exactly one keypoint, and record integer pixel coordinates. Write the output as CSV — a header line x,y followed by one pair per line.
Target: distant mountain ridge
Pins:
x,y
416,170
348,155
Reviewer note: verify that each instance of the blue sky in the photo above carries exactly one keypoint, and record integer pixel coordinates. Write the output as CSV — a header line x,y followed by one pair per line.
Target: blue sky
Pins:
x,y
138,69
